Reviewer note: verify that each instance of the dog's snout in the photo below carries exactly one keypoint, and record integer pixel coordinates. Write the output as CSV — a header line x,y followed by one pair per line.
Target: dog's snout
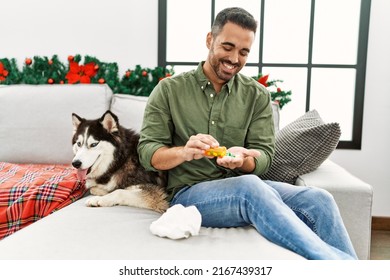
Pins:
x,y
76,164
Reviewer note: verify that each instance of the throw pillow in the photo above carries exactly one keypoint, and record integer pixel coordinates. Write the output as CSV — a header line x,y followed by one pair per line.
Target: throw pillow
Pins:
x,y
29,192
301,146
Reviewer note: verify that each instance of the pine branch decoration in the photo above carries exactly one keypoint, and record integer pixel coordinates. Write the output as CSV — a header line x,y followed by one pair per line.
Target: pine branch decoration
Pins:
x,y
9,72
42,70
138,81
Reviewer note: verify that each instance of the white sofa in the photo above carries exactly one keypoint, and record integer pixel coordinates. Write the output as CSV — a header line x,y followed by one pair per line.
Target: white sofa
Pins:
x,y
35,127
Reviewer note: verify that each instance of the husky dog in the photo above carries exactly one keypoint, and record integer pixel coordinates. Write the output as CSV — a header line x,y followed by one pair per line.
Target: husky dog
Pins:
x,y
106,158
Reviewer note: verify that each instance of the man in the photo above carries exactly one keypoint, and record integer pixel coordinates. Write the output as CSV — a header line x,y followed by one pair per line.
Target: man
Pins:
x,y
213,106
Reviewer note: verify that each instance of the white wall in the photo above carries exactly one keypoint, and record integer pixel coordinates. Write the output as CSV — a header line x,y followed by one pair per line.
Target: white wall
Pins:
x,y
125,31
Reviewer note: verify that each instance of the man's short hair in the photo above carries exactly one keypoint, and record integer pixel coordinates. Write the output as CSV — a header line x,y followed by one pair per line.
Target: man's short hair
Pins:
x,y
234,15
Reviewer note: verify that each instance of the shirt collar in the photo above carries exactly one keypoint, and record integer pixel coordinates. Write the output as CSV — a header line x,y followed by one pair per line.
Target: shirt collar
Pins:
x,y
203,81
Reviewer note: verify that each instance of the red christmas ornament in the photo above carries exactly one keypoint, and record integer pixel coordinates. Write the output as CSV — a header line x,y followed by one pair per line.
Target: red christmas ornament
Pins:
x,y
128,73
101,81
96,67
80,73
144,73
70,58
263,80
3,72
28,61
61,82
50,62
50,81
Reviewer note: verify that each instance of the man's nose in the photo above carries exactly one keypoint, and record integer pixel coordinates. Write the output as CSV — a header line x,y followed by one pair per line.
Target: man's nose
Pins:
x,y
233,57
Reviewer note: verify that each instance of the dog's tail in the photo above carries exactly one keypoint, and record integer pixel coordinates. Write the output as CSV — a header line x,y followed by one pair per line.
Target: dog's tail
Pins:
x,y
154,197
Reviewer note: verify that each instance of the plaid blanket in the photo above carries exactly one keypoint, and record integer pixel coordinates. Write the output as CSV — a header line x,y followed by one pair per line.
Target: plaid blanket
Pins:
x,y
30,192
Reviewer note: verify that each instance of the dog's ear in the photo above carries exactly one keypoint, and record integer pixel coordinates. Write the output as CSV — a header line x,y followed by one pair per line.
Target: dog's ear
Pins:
x,y
110,122
76,120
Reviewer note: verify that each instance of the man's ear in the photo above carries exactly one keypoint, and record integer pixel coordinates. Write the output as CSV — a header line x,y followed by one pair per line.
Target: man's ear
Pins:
x,y
209,40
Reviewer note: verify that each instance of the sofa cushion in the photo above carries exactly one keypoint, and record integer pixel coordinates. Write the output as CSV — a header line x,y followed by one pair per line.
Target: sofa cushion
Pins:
x,y
301,147
36,121
122,233
276,115
129,109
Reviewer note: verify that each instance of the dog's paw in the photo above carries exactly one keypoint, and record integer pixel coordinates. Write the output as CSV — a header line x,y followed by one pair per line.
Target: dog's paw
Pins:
x,y
99,201
92,202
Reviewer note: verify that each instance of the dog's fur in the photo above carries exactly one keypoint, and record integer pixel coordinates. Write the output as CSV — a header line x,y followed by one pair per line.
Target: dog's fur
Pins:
x,y
106,157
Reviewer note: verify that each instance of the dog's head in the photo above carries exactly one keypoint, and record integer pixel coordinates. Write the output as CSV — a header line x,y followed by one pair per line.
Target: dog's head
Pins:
x,y
94,144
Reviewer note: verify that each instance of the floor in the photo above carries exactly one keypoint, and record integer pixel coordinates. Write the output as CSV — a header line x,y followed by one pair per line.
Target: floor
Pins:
x,y
380,245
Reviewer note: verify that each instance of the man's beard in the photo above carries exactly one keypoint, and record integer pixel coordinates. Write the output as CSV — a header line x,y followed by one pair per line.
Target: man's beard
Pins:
x,y
216,64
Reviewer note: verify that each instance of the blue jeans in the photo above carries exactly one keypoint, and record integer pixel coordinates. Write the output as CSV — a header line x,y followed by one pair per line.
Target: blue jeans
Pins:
x,y
305,220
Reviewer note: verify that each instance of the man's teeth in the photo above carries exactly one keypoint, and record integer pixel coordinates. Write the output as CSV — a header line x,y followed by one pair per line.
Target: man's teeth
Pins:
x,y
229,66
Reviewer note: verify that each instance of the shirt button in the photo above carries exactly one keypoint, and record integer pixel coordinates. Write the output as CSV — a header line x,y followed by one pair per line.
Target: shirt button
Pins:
x,y
212,122
211,95
201,87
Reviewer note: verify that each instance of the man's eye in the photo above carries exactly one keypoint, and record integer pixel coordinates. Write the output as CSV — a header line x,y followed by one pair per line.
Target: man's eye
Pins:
x,y
228,49
93,145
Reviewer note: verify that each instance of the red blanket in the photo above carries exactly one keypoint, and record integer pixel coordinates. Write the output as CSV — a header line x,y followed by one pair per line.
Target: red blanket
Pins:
x,y
30,192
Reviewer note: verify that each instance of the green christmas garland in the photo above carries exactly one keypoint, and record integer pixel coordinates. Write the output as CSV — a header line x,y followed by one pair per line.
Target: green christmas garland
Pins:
x,y
43,70
9,72
138,81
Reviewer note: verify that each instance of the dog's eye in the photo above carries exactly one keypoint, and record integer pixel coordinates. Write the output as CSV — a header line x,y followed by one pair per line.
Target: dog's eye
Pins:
x,y
93,145
78,144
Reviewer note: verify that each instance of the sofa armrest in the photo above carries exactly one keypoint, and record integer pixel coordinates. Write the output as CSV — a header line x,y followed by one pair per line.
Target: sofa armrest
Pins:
x,y
353,197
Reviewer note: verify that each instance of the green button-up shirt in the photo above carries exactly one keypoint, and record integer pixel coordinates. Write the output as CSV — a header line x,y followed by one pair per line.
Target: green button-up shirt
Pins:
x,y
187,104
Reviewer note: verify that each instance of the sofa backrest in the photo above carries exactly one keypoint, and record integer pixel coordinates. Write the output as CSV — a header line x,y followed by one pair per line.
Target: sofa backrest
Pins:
x,y
130,110
36,121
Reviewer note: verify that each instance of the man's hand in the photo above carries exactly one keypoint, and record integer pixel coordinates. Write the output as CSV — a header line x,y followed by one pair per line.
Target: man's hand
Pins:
x,y
166,158
196,145
243,159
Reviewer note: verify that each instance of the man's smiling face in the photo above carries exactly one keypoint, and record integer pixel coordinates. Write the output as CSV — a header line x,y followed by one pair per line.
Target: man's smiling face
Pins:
x,y
228,51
